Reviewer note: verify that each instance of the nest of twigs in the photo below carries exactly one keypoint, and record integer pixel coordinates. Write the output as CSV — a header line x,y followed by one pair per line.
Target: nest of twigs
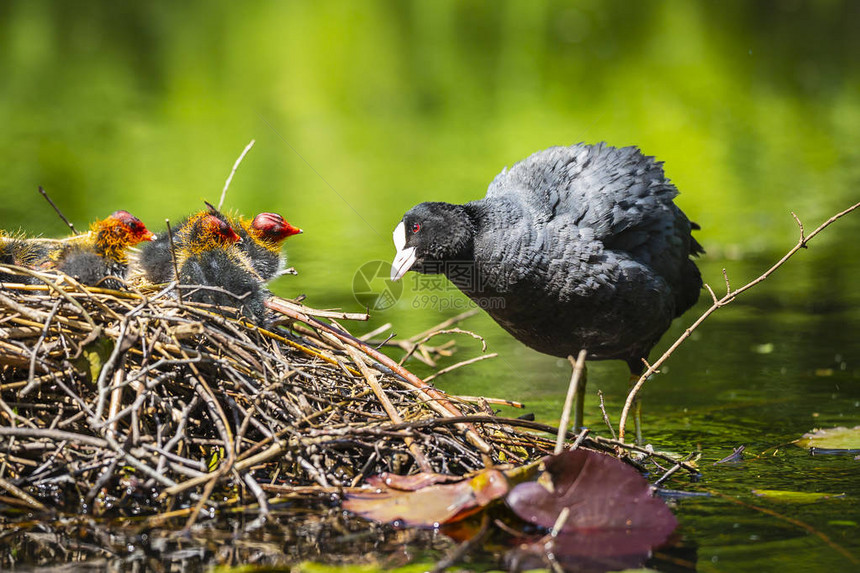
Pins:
x,y
135,402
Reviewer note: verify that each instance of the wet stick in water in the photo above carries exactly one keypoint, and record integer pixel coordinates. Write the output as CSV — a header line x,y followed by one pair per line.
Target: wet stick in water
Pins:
x,y
460,364
414,344
29,501
605,415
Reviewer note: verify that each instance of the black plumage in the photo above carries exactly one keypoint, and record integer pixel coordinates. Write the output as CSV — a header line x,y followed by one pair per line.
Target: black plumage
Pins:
x,y
578,247
212,263
230,277
90,268
156,259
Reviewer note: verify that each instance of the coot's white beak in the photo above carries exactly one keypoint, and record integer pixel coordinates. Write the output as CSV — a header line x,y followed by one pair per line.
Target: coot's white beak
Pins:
x,y
405,257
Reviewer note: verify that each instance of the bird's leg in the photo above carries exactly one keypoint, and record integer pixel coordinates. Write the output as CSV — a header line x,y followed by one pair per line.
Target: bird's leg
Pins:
x,y
579,395
637,411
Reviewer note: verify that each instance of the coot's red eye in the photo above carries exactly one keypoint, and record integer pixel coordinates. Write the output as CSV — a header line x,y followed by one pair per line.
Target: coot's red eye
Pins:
x,y
416,227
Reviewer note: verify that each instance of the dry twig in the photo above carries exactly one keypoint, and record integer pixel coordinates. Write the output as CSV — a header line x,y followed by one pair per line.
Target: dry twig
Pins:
x,y
233,172
108,392
730,296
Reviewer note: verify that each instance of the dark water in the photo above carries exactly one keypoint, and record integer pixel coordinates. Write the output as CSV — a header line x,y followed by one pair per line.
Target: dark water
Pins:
x,y
362,110
760,373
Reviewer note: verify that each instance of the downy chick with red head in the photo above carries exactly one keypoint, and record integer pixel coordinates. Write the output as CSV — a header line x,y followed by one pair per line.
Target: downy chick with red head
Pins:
x,y
95,258
214,269
262,239
156,260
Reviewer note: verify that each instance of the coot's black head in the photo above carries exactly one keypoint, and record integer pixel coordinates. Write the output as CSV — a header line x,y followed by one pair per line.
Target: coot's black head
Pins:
x,y
431,233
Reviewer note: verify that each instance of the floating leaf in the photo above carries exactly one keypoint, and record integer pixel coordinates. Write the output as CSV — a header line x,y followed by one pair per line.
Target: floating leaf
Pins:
x,y
432,505
840,439
794,496
612,511
409,483
765,348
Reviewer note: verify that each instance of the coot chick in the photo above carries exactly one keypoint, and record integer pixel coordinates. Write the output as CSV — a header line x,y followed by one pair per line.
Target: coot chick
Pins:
x,y
572,248
156,260
211,256
262,239
94,257
17,250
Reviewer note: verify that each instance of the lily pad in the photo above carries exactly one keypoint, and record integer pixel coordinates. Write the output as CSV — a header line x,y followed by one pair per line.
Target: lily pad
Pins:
x,y
794,496
843,439
431,505
409,483
611,509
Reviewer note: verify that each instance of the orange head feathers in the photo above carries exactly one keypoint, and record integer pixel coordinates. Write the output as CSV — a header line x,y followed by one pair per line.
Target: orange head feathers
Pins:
x,y
137,231
114,234
207,230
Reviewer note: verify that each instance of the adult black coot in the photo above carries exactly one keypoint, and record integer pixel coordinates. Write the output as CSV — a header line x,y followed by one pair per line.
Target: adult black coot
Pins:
x,y
572,248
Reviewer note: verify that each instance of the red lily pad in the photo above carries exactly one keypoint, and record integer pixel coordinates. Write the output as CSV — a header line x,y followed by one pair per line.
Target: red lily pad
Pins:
x,y
430,506
408,483
612,510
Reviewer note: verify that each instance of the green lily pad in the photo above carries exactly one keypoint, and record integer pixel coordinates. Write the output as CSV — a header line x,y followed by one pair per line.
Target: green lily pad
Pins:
x,y
793,496
766,348
832,439
94,353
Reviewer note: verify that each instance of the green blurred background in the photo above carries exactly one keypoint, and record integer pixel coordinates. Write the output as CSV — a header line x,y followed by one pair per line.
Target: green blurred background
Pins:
x,y
378,105
362,109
